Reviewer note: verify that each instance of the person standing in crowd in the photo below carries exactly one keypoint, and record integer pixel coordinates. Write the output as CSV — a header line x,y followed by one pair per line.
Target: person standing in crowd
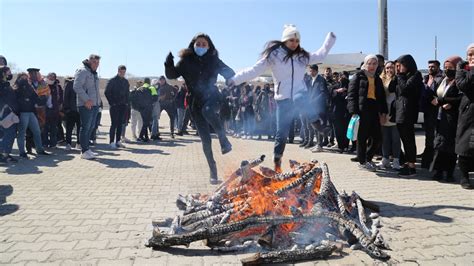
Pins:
x,y
71,112
199,66
135,116
391,145
53,117
331,84
8,105
117,94
465,130
287,61
167,94
181,108
44,92
341,115
366,98
430,112
380,67
408,89
27,100
147,95
86,86
265,111
318,93
156,112
246,111
447,100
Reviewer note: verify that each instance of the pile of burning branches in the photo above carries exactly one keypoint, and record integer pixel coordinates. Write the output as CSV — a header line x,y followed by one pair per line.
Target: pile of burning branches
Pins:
x,y
284,217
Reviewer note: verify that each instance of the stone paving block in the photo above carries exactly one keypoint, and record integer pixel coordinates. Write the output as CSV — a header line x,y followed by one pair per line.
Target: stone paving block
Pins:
x,y
102,253
56,237
89,262
25,246
123,262
135,253
64,245
26,256
114,243
7,257
83,236
87,244
58,255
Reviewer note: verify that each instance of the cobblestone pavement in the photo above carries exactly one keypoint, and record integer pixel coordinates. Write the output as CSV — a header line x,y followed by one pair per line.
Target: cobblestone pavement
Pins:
x,y
62,210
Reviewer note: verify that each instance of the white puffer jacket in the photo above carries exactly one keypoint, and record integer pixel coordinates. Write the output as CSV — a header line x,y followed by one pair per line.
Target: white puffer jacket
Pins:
x,y
288,76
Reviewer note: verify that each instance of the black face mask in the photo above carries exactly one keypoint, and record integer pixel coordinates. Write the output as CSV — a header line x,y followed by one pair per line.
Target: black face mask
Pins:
x,y
450,73
9,77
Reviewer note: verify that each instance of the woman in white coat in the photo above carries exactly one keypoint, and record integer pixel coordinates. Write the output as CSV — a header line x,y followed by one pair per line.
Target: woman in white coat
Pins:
x,y
287,62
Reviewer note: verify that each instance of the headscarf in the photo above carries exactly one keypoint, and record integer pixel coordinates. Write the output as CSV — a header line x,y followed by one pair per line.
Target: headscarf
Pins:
x,y
365,65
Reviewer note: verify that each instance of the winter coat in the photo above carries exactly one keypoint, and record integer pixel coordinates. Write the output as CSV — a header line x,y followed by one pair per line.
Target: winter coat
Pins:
x,y
288,75
8,97
200,74
26,97
117,91
86,85
70,98
447,120
317,93
357,94
465,129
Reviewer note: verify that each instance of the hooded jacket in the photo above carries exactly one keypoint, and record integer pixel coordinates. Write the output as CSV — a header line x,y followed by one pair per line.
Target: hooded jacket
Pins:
x,y
465,128
408,87
288,75
86,85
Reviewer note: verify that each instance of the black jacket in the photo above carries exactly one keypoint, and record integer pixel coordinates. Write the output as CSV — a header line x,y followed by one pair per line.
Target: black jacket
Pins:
x,y
117,91
465,129
142,100
180,97
70,98
447,120
200,74
8,97
27,97
357,94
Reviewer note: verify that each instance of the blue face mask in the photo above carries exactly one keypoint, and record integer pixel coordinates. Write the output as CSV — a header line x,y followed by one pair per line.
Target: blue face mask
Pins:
x,y
200,51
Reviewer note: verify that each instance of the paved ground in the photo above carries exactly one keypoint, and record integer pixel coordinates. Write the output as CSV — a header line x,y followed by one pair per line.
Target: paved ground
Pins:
x,y
62,210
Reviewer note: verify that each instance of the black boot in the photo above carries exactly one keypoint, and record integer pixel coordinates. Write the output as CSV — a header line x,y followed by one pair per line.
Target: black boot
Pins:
x,y
309,145
438,176
465,182
303,144
450,176
213,174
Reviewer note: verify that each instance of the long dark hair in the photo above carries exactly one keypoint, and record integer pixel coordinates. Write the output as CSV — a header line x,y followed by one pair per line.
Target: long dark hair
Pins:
x,y
190,50
303,55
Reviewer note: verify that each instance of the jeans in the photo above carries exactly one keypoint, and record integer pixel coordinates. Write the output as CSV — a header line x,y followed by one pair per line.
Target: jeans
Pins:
x,y
171,111
181,115
49,134
117,117
88,123
391,142
72,119
155,125
284,117
7,139
204,117
96,126
29,121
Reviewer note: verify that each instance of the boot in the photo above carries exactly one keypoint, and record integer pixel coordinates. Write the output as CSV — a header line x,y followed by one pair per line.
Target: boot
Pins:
x,y
438,175
465,182
303,144
277,162
213,174
309,145
450,176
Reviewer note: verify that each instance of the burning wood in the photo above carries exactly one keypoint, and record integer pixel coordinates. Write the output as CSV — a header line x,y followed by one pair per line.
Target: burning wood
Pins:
x,y
285,217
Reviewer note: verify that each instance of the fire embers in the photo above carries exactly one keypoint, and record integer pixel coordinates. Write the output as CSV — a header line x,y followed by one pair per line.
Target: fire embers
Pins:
x,y
285,217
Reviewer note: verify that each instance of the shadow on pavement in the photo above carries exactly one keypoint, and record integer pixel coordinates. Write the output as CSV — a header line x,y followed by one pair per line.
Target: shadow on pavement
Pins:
x,y
31,166
116,163
6,209
425,212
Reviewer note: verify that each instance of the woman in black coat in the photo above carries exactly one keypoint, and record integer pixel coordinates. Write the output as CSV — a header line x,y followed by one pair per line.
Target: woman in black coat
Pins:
x,y
199,66
447,100
465,129
366,98
409,84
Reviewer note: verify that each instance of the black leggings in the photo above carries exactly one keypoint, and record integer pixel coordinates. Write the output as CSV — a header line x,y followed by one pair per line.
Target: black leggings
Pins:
x,y
407,134
117,116
146,117
369,127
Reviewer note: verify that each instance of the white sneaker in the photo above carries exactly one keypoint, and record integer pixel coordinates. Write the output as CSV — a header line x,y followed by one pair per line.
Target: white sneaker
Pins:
x,y
113,146
119,144
385,163
317,148
93,153
396,164
68,147
87,155
125,140
78,146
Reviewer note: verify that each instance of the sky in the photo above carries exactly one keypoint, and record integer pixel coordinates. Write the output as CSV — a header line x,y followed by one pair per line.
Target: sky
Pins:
x,y
57,35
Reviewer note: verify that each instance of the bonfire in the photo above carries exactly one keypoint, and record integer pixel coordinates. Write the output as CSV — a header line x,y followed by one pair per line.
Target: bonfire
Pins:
x,y
282,217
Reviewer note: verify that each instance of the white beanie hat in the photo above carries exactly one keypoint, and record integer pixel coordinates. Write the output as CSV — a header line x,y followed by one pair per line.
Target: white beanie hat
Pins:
x,y
290,31
470,46
154,82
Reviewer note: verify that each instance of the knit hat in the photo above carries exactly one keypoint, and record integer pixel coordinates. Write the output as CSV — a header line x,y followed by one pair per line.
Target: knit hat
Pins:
x,y
454,59
470,47
154,82
290,31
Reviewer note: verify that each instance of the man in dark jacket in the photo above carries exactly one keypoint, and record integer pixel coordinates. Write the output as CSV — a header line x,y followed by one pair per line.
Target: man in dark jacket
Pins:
x,y
430,112
167,95
144,102
71,113
8,105
50,132
117,94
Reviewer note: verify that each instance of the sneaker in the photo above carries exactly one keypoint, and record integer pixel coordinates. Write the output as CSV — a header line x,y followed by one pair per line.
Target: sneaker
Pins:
x,y
226,149
369,166
355,159
125,140
317,148
94,153
10,159
113,146
407,172
43,153
385,163
438,176
87,155
331,144
68,147
303,144
465,183
309,145
24,156
396,164
119,144
78,146
213,181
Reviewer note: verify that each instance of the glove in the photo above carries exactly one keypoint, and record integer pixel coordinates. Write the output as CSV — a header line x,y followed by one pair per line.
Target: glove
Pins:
x,y
169,60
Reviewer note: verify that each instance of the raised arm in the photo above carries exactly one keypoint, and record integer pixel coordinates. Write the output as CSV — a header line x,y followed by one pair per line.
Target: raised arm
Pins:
x,y
252,72
322,52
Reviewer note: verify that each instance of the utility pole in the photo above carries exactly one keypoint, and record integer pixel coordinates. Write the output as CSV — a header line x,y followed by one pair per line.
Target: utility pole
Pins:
x,y
383,28
436,47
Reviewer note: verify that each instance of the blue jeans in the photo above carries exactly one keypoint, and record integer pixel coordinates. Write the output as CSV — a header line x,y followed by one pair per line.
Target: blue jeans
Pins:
x,y
7,139
284,115
88,123
29,120
181,115
155,123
